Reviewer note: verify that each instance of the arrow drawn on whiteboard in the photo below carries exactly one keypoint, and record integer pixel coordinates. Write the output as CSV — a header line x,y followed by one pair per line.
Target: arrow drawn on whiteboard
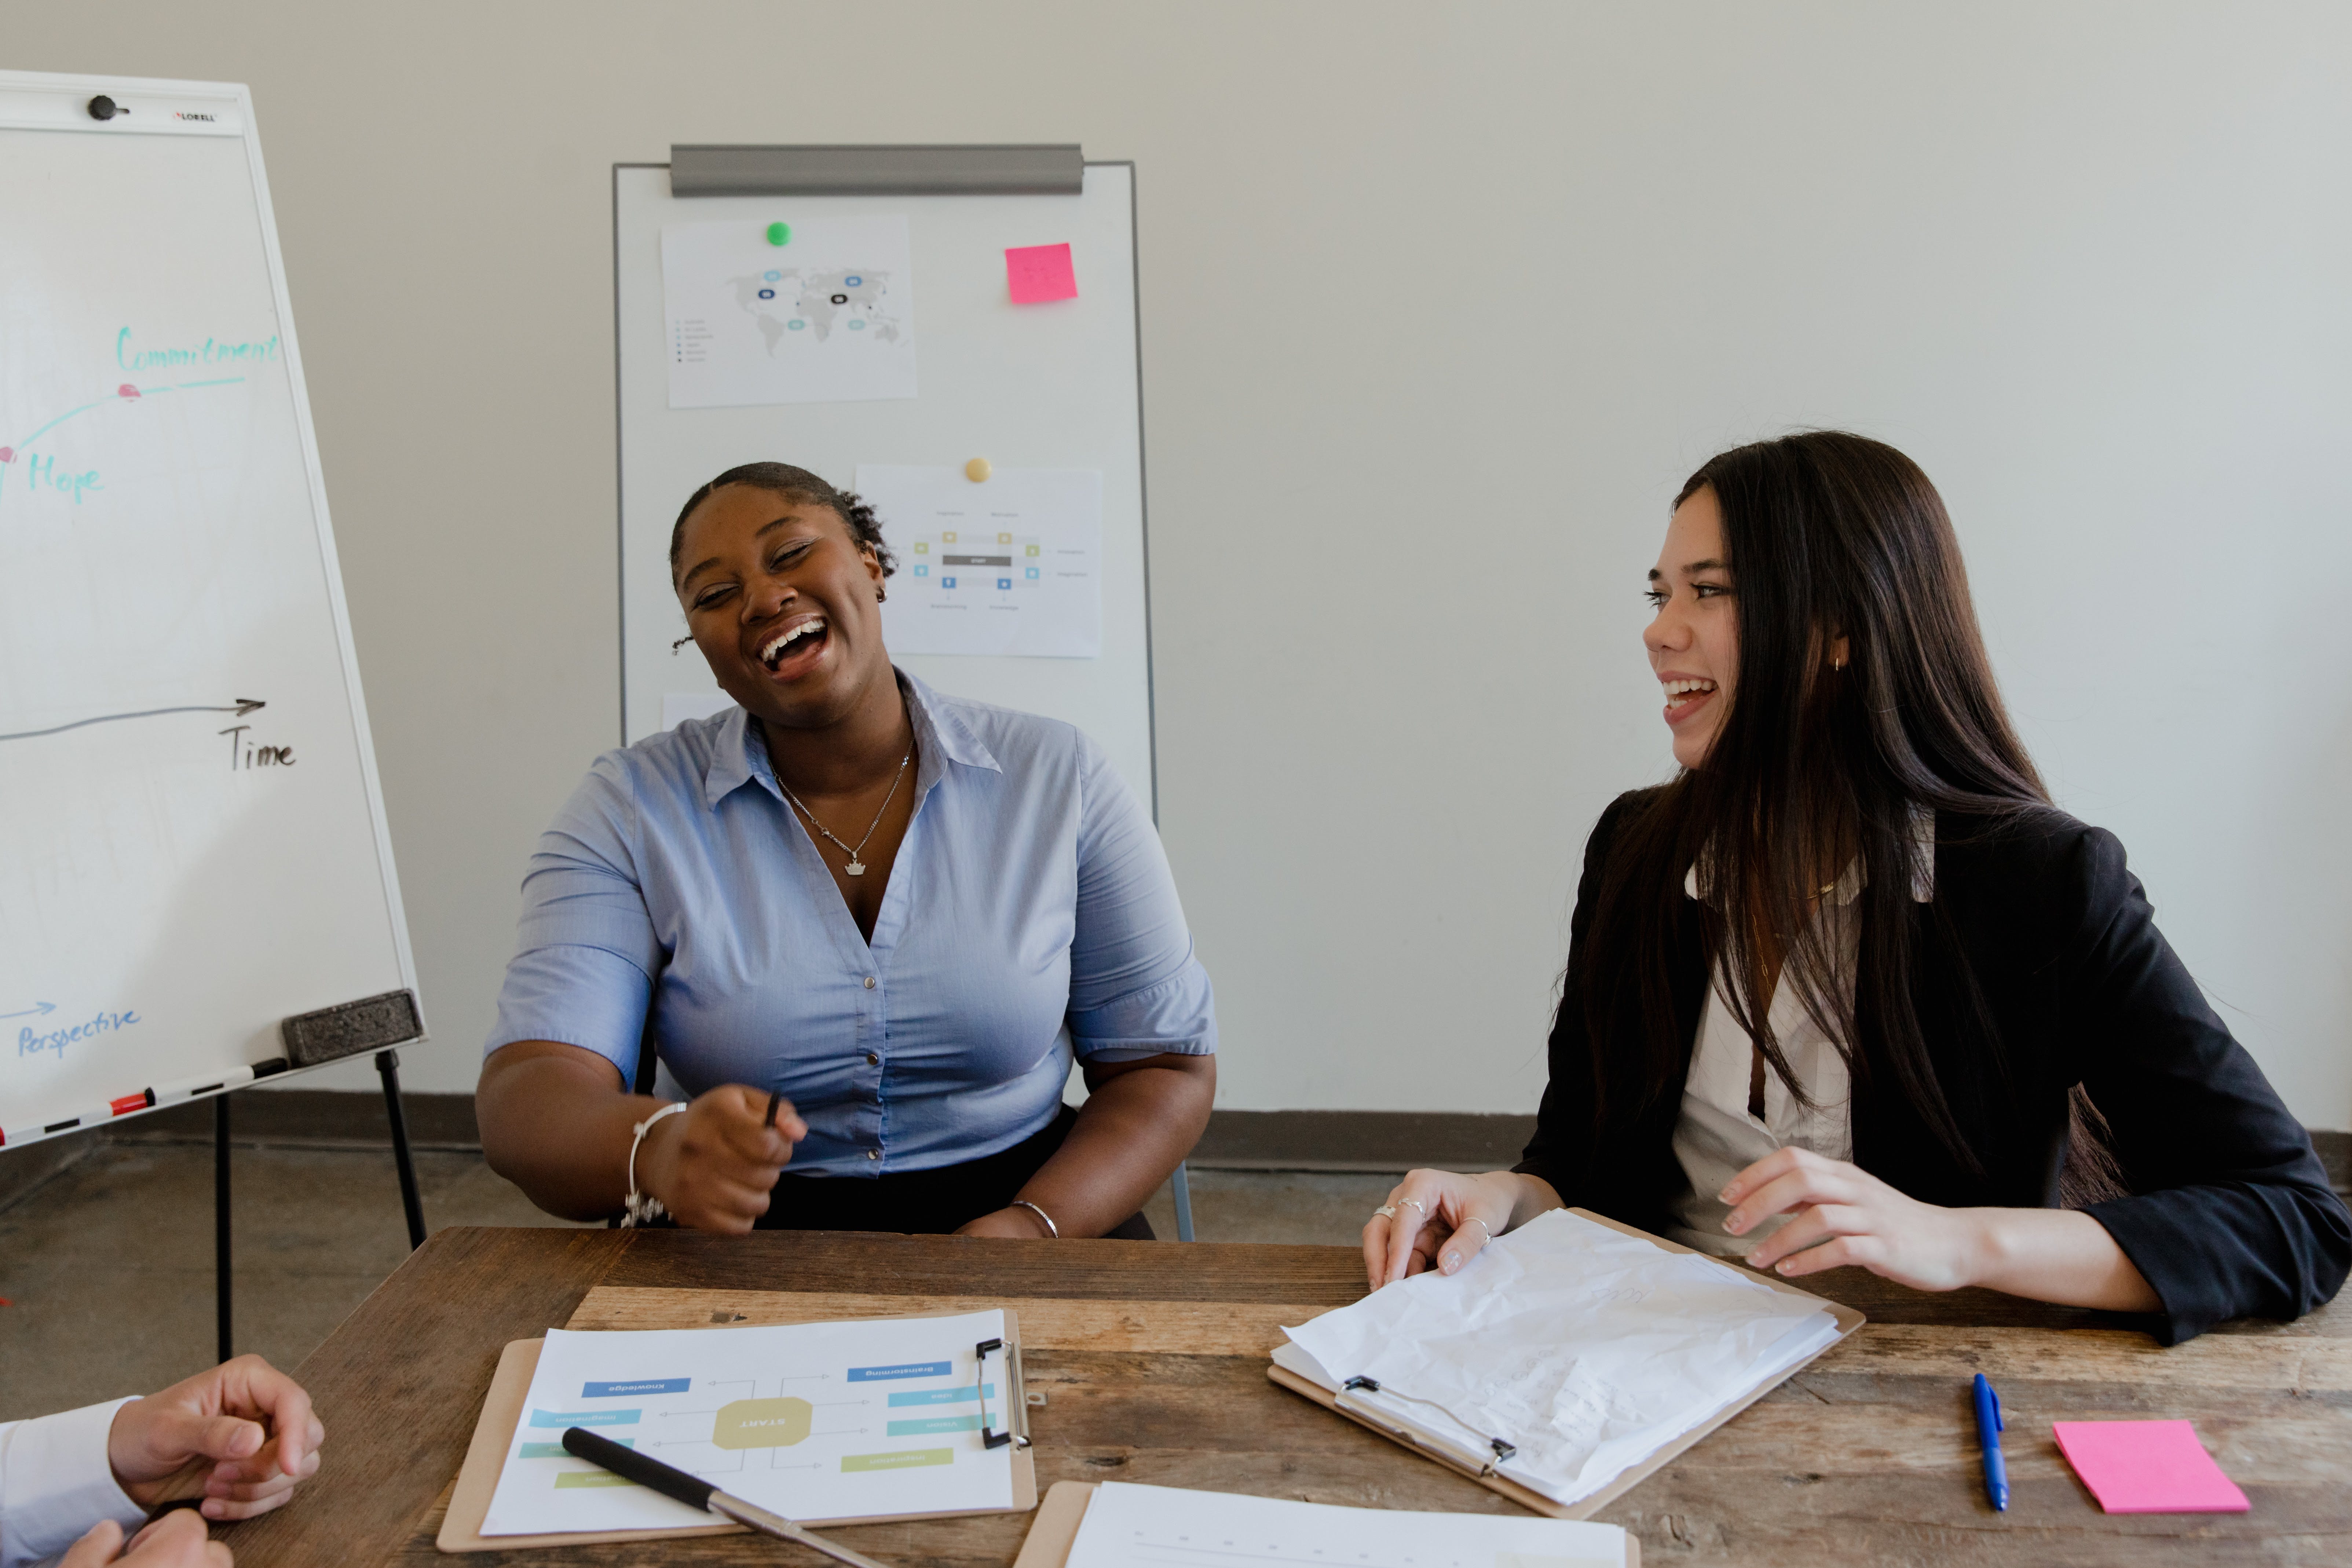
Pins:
x,y
36,1008
243,705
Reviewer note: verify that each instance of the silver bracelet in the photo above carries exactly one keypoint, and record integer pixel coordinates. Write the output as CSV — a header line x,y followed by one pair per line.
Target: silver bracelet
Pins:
x,y
1053,1230
644,1208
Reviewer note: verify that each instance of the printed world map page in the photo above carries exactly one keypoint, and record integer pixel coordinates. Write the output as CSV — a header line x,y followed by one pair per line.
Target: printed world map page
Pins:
x,y
828,316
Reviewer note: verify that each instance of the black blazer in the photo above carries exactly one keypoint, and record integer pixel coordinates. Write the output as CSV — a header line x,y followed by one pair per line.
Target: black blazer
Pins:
x,y
2231,1213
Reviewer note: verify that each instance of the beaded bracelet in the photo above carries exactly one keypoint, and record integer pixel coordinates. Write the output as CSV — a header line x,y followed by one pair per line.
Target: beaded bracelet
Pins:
x,y
644,1208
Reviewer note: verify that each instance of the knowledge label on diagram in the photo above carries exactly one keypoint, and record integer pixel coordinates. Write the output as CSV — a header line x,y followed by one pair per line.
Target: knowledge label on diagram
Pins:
x,y
814,1421
827,316
1011,565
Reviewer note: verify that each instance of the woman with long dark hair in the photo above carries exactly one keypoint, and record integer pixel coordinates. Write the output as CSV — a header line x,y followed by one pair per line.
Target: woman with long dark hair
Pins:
x,y
1849,990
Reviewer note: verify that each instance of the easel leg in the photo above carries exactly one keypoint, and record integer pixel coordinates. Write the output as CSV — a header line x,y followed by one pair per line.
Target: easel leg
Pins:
x,y
221,1271
1182,1183
387,1066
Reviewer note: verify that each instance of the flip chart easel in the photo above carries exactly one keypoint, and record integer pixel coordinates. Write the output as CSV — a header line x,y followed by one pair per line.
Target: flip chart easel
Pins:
x,y
196,884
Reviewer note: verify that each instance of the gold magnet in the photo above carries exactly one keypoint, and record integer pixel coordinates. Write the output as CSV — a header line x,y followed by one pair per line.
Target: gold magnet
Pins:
x,y
976,470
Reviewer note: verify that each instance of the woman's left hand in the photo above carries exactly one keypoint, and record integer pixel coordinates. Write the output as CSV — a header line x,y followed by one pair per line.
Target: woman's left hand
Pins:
x,y
1844,1215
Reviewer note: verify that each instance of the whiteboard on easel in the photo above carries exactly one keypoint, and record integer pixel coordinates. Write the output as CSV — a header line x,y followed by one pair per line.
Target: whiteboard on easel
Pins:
x,y
877,339
193,845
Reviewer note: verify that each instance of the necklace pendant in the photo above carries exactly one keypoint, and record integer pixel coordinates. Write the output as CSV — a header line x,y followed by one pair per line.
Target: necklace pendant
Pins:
x,y
855,869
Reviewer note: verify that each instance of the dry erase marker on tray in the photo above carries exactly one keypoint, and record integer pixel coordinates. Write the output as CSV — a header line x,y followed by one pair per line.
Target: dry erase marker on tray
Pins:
x,y
215,1083
698,1493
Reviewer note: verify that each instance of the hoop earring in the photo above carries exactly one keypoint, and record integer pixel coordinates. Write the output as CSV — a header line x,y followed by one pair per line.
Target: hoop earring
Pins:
x,y
880,594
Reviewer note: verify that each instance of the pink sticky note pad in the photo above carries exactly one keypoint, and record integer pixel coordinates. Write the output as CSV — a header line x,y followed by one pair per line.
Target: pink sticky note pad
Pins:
x,y
1038,274
2148,1467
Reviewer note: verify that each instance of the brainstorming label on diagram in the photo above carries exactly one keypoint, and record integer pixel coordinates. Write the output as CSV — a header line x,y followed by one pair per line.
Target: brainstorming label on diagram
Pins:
x,y
814,1421
1011,565
826,315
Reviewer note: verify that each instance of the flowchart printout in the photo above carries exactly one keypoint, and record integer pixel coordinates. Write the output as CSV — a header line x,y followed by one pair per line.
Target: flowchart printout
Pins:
x,y
828,316
813,1421
1011,564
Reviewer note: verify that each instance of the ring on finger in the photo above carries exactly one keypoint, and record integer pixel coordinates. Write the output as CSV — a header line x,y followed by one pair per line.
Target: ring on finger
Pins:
x,y
1386,1211
1482,1225
1416,1204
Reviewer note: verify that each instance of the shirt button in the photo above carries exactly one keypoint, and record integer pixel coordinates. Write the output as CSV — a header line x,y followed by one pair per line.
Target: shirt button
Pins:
x,y
872,1060
869,983
874,1154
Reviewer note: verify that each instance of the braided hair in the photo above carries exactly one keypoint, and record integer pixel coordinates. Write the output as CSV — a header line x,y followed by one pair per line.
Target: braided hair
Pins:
x,y
794,484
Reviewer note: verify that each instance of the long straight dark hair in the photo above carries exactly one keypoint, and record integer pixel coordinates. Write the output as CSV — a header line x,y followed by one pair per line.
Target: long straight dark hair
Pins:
x,y
1827,536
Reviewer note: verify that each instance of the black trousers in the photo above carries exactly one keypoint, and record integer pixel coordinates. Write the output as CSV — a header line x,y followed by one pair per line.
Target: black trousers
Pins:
x,y
925,1203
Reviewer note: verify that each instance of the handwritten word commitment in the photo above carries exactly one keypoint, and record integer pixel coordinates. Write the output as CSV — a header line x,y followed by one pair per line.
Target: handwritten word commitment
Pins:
x,y
211,350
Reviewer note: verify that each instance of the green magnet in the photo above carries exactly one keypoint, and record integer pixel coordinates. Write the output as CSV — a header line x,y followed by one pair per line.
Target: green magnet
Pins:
x,y
778,233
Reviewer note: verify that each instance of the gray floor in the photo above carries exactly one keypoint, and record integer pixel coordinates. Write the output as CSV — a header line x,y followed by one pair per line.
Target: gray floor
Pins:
x,y
107,1268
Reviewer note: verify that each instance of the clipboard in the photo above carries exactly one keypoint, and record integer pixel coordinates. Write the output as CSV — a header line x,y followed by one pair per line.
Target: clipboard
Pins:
x,y
1055,1529
1848,1320
469,1500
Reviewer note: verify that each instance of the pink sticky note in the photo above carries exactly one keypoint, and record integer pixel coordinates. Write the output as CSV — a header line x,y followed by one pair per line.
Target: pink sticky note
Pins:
x,y
1039,273
2148,1467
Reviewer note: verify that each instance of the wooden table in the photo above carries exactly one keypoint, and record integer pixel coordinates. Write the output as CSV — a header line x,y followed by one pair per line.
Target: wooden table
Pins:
x,y
1153,1359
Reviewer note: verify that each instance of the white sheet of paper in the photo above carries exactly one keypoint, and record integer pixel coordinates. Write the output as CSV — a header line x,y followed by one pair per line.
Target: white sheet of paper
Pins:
x,y
1126,1525
827,317
1588,1349
813,1421
1010,565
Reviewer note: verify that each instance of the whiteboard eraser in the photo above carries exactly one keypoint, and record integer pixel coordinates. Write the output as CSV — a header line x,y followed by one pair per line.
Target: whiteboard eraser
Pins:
x,y
370,1024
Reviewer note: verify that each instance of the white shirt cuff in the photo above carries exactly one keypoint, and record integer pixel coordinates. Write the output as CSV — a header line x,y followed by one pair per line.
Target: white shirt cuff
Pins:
x,y
55,1482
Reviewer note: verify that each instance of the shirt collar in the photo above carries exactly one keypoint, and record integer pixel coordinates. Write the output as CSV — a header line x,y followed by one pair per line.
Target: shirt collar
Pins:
x,y
739,750
1855,878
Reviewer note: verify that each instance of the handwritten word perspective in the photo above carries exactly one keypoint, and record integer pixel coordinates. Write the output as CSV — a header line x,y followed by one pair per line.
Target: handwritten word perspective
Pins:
x,y
32,1042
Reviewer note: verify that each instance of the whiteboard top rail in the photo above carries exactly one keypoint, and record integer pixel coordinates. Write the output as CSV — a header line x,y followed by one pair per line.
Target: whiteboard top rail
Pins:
x,y
147,106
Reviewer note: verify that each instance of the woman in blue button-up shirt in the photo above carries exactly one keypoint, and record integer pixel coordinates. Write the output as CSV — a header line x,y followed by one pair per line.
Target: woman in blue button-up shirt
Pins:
x,y
900,911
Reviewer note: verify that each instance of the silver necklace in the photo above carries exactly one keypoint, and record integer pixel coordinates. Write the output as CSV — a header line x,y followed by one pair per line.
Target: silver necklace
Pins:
x,y
857,867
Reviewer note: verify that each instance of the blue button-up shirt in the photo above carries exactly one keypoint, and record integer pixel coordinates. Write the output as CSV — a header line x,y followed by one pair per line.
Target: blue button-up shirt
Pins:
x,y
1030,913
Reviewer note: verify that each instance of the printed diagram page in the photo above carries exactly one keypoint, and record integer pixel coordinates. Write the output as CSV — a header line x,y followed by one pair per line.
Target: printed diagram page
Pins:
x,y
815,1421
1010,564
1130,1525
814,311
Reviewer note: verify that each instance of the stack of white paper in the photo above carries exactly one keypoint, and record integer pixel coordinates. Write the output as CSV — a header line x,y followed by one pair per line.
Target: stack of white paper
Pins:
x,y
1128,1525
1583,1349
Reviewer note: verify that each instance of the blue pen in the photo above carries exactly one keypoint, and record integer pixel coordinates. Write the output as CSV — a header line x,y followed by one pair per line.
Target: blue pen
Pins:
x,y
1989,1426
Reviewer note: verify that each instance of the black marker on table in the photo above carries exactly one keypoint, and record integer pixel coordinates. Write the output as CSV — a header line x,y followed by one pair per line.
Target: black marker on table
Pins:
x,y
696,1492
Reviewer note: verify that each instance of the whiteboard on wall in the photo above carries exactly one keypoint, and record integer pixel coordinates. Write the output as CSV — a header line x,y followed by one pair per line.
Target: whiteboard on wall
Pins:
x,y
193,845
1037,387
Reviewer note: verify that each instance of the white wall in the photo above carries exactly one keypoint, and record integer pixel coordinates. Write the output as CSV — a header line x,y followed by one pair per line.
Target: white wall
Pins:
x,y
1440,304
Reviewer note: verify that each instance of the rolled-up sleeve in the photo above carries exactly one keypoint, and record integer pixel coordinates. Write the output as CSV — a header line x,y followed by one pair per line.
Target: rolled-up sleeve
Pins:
x,y
55,1482
1136,989
586,951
